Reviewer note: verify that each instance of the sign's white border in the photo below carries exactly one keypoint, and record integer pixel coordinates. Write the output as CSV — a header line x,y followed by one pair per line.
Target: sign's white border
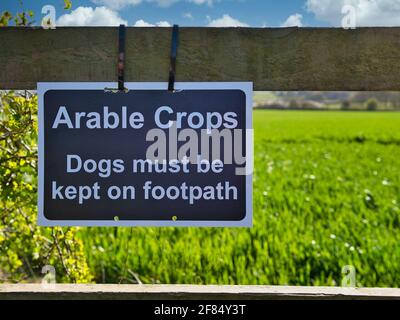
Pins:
x,y
246,87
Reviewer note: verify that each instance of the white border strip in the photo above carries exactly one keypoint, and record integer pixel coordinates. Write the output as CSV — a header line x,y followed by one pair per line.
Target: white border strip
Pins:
x,y
43,87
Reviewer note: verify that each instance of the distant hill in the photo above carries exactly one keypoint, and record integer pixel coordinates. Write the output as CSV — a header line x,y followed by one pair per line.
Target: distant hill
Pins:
x,y
346,100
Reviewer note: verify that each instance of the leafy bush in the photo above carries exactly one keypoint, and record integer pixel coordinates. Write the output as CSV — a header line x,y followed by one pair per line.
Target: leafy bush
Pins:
x,y
24,247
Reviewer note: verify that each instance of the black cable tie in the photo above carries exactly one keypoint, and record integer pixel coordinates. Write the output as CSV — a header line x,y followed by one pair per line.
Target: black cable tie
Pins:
x,y
174,51
121,58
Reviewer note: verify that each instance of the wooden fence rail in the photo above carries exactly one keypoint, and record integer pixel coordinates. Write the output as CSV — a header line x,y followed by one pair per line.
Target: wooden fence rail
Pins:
x,y
274,58
190,292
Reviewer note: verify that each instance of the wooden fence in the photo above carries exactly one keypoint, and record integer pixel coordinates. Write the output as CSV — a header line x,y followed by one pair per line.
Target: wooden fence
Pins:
x,y
274,59
190,292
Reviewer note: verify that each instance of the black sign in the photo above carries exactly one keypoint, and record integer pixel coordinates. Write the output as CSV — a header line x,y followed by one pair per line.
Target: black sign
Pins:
x,y
145,157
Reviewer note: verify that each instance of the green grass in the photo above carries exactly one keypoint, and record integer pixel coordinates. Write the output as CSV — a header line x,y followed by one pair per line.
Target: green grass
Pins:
x,y
326,195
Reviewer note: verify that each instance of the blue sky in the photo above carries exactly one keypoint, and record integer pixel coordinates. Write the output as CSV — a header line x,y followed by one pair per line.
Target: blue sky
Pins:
x,y
254,13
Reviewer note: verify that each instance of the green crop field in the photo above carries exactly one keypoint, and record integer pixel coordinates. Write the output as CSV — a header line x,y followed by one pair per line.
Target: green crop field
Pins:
x,y
326,195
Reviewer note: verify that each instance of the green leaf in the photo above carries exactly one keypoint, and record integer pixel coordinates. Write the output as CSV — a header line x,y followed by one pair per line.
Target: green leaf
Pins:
x,y
67,4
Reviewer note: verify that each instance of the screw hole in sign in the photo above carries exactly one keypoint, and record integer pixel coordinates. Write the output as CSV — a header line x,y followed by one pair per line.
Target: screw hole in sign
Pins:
x,y
174,218
116,218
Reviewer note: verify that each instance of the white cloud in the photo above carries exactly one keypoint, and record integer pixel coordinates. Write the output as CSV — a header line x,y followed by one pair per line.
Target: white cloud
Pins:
x,y
142,23
164,3
101,16
120,4
368,12
200,2
117,4
163,24
87,16
226,21
295,20
188,15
